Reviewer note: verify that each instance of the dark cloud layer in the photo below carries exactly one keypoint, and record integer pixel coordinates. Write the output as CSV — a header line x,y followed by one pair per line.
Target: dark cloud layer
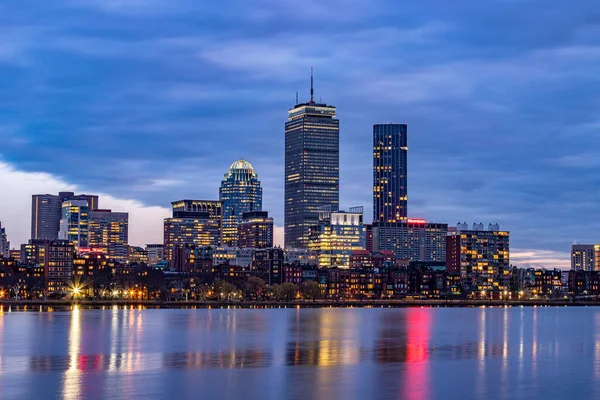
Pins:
x,y
153,99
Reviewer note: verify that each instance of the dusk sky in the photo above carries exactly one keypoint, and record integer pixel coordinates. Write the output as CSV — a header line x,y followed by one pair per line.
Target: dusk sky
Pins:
x,y
150,101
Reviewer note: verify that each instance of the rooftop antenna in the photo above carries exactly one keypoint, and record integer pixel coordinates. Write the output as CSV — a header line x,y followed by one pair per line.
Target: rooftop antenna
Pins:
x,y
312,86
296,97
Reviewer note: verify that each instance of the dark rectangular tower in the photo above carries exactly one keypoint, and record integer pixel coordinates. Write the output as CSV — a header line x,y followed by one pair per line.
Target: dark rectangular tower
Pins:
x,y
390,197
312,167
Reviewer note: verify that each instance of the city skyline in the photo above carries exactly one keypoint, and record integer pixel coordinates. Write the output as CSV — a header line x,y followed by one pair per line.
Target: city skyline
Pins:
x,y
477,144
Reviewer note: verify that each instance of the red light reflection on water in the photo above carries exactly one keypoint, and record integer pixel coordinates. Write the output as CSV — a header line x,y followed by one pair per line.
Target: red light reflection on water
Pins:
x,y
416,380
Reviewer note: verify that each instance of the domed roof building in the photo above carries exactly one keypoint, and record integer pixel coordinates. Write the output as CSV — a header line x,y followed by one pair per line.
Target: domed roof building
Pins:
x,y
240,192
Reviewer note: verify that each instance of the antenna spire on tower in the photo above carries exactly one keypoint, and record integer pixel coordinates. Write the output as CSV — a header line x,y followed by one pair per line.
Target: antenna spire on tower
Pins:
x,y
312,86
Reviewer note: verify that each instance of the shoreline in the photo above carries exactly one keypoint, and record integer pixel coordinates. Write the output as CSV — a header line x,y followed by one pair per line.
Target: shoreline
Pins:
x,y
295,304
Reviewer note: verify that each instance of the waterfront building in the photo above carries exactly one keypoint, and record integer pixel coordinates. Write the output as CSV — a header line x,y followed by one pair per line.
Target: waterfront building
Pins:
x,y
413,240
4,243
481,257
312,160
390,193
109,231
337,235
155,252
255,230
46,212
54,257
240,193
74,223
194,222
585,257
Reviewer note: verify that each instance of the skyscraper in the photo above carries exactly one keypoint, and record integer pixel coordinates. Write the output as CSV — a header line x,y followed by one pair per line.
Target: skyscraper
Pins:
x,y
74,224
46,212
390,172
240,193
4,243
312,167
109,231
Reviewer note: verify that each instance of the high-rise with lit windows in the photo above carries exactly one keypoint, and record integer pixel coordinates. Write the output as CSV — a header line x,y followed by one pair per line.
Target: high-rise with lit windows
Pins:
x,y
4,243
74,223
196,222
240,193
255,230
312,161
390,197
337,235
585,257
46,212
481,256
109,231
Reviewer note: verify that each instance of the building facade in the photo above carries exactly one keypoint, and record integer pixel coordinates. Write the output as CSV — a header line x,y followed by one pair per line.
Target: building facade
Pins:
x,y
46,212
240,193
312,160
255,230
74,224
4,243
109,231
337,236
585,257
413,240
194,222
390,194
481,257
155,252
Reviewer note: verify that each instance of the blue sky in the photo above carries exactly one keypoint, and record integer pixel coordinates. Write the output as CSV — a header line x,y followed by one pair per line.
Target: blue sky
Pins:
x,y
151,100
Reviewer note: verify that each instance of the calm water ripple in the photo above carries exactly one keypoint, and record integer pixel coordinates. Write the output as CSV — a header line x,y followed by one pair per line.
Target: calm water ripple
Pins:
x,y
414,353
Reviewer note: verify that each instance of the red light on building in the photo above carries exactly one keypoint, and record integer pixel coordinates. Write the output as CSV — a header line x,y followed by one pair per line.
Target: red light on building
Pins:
x,y
420,221
92,250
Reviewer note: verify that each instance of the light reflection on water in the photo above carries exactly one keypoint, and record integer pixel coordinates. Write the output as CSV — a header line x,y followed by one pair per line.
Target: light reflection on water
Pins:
x,y
415,353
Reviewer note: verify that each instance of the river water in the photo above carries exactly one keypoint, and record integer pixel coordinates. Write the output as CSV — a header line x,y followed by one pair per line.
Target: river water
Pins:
x,y
327,354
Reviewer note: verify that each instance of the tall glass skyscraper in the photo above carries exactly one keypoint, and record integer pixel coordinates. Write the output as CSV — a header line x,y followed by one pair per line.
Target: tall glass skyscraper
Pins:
x,y
312,168
390,173
74,224
240,193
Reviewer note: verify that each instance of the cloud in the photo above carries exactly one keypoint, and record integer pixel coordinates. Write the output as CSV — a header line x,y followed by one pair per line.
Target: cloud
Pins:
x,y
524,258
145,222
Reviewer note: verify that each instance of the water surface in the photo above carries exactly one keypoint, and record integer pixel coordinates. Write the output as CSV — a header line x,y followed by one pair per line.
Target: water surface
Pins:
x,y
329,353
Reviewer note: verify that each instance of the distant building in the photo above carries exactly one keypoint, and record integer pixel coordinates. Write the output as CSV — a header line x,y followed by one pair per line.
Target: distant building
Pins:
x,y
300,256
267,264
390,194
255,230
137,255
109,231
337,235
74,223
240,193
4,243
413,240
194,222
46,212
15,255
369,236
312,163
481,257
585,257
156,253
